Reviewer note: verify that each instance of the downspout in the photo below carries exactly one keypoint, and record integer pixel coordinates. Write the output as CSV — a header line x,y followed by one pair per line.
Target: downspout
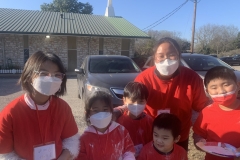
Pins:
x,y
89,45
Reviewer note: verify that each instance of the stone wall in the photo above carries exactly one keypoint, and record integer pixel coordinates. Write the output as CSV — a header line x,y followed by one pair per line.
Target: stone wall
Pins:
x,y
83,50
54,44
14,48
1,51
112,46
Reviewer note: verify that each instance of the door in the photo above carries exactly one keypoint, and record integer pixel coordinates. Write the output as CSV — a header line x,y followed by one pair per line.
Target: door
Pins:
x,y
72,60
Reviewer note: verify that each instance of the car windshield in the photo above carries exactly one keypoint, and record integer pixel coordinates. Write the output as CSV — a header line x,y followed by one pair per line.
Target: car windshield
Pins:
x,y
113,65
203,63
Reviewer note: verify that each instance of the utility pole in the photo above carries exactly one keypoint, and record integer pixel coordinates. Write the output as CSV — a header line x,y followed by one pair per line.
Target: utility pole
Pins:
x,y
193,25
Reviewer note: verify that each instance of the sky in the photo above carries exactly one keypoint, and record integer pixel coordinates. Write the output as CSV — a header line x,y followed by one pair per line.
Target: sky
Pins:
x,y
143,13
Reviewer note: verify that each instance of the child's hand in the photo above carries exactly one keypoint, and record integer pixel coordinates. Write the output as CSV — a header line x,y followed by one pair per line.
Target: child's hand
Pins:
x,y
202,140
238,154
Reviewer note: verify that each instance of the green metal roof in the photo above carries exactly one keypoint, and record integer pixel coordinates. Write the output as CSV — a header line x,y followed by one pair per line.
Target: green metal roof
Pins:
x,y
39,22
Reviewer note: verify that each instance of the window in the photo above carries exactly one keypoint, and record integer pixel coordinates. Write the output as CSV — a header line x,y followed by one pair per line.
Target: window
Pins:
x,y
112,65
125,47
203,63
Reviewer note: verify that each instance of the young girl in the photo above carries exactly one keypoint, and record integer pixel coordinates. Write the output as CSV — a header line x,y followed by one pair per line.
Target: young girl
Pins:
x,y
104,139
39,125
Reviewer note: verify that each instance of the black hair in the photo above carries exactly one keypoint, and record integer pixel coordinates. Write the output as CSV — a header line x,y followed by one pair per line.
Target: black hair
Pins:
x,y
219,72
135,91
98,95
173,42
168,121
34,63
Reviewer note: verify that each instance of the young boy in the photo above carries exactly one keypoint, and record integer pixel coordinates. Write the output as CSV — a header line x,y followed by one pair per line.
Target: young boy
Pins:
x,y
220,121
134,119
166,133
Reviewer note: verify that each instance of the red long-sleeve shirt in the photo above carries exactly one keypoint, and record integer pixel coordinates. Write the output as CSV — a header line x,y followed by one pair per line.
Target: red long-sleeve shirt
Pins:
x,y
19,126
140,129
217,125
180,95
150,153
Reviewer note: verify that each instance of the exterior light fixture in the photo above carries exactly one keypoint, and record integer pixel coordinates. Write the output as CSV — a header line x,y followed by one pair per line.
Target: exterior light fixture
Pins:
x,y
47,36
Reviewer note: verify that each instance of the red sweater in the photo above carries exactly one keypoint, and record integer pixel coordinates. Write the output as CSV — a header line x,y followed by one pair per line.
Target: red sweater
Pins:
x,y
150,153
180,94
140,130
114,144
217,125
19,127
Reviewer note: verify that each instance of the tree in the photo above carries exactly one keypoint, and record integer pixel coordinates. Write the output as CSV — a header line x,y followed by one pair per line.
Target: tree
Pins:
x,y
70,6
144,46
217,39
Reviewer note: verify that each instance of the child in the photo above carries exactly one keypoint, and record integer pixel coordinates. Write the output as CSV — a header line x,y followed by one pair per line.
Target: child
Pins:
x,y
219,122
39,119
104,139
166,132
134,119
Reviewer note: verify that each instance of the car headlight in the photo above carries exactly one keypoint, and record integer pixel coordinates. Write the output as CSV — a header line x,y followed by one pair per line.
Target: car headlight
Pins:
x,y
91,88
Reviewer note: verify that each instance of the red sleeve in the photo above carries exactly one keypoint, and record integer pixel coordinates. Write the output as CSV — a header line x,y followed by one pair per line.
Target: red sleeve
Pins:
x,y
200,126
128,144
6,131
82,153
200,99
70,126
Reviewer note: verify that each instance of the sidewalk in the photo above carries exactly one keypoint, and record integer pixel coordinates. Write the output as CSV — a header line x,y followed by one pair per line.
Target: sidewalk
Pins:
x,y
17,76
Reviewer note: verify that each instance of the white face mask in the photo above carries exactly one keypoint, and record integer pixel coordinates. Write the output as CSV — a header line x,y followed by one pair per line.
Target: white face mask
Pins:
x,y
167,67
47,85
136,109
101,119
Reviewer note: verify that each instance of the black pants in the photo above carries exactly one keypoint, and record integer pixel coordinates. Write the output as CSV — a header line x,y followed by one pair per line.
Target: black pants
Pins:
x,y
184,144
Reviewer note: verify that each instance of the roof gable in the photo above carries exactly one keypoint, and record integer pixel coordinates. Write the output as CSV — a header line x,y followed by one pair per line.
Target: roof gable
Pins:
x,y
40,22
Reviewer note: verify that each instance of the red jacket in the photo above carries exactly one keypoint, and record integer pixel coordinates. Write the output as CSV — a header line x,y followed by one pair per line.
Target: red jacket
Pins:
x,y
114,144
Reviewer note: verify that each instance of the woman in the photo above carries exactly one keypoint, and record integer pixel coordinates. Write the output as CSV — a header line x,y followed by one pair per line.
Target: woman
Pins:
x,y
38,124
172,88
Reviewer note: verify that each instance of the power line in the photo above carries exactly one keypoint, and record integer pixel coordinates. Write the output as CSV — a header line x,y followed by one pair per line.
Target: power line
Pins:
x,y
165,17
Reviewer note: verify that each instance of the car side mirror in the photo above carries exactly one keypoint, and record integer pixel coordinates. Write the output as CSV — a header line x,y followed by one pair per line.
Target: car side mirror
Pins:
x,y
79,71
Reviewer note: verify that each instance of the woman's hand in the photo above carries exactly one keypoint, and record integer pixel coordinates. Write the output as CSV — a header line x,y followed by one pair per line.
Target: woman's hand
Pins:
x,y
66,155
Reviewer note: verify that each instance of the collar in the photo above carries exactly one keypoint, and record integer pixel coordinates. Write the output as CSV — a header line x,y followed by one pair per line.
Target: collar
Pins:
x,y
113,125
163,153
31,103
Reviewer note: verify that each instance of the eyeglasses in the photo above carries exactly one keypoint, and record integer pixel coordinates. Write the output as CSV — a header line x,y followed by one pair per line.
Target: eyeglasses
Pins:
x,y
46,73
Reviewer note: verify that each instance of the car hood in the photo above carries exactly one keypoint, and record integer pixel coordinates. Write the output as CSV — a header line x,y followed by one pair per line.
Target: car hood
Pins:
x,y
201,73
119,80
237,73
